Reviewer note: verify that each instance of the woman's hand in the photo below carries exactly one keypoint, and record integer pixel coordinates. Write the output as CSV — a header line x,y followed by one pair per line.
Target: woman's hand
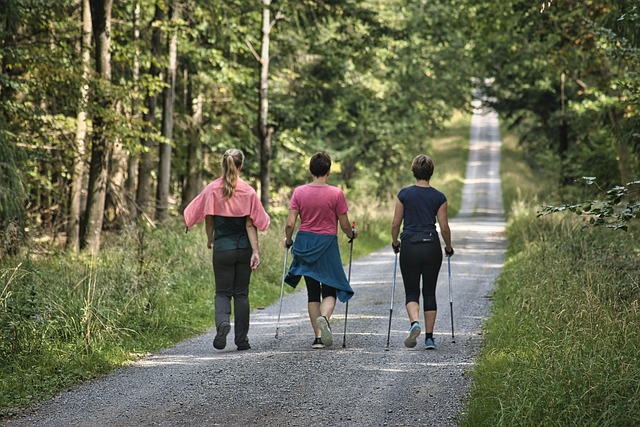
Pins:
x,y
255,260
396,246
209,225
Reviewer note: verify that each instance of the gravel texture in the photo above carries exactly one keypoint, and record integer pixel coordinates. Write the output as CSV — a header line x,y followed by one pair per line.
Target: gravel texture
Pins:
x,y
284,382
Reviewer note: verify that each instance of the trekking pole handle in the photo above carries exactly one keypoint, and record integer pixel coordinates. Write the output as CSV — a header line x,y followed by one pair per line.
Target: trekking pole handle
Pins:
x,y
353,232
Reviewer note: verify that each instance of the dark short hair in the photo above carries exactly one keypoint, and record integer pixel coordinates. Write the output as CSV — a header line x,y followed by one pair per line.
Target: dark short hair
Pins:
x,y
422,167
320,164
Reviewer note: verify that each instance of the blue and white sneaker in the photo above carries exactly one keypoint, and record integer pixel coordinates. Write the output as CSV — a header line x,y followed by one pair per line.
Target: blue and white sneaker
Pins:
x,y
429,344
414,332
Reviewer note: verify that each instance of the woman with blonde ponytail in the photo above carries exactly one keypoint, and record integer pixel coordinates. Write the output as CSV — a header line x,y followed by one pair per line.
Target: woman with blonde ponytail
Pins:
x,y
233,214
232,161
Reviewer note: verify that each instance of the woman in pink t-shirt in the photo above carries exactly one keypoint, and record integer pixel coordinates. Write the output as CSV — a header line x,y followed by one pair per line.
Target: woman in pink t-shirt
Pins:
x,y
316,255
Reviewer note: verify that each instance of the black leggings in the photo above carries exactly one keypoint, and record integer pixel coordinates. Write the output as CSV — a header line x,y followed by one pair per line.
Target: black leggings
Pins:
x,y
421,260
315,288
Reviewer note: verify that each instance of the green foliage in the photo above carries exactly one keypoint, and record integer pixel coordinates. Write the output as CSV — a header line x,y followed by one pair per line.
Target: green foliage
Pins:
x,y
564,73
614,209
374,77
369,81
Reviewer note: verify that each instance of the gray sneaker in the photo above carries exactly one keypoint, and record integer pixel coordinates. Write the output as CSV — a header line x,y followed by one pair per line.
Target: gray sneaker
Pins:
x,y
220,341
414,332
325,331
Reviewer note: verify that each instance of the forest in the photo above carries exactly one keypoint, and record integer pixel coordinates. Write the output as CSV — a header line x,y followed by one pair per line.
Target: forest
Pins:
x,y
115,114
112,113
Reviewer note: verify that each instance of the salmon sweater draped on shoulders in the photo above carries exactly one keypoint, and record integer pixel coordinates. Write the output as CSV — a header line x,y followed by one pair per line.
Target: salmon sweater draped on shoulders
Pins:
x,y
244,202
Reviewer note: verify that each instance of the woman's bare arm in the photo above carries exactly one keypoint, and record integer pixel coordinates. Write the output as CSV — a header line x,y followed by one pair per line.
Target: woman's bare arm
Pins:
x,y
252,233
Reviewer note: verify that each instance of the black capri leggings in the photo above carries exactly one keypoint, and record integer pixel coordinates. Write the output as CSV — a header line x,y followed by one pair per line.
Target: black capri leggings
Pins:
x,y
421,260
315,288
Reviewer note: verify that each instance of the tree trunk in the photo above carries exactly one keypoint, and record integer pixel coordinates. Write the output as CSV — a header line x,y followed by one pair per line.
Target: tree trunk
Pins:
x,y
563,134
145,166
265,131
564,126
194,152
10,32
116,204
98,169
164,166
623,150
75,205
132,165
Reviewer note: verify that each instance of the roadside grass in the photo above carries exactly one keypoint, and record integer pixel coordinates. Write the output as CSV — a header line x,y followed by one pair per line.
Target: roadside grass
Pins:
x,y
561,347
68,318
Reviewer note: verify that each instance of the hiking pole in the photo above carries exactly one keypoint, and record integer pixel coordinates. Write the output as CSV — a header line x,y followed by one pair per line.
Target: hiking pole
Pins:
x,y
284,272
453,338
346,310
393,292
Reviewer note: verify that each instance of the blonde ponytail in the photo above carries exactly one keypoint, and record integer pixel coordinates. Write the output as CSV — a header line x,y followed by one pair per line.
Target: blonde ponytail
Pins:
x,y
232,161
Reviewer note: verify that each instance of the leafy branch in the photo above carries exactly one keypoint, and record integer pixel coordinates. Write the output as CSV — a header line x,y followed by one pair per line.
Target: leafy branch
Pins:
x,y
613,209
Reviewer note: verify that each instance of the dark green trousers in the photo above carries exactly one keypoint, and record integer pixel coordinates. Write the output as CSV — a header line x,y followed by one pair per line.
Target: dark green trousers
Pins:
x,y
232,273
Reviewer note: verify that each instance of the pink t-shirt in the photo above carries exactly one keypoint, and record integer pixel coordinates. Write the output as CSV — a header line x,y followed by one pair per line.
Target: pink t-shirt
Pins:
x,y
319,207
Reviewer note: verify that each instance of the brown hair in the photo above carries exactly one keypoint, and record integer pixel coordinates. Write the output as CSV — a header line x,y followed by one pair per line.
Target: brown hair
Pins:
x,y
232,161
320,164
422,167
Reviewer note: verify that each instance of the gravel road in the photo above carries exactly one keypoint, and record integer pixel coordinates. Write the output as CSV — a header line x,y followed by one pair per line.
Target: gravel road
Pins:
x,y
284,382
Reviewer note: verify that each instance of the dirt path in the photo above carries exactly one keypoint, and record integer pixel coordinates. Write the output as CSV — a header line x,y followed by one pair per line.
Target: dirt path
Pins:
x,y
285,383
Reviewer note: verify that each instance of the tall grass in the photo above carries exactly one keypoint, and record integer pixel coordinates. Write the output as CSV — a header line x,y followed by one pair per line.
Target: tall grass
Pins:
x,y
66,318
561,347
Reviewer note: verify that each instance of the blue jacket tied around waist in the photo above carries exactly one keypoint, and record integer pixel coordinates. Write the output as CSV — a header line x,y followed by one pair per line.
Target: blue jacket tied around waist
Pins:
x,y
318,256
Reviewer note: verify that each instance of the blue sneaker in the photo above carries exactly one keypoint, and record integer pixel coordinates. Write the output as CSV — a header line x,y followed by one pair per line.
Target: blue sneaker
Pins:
x,y
414,332
429,344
